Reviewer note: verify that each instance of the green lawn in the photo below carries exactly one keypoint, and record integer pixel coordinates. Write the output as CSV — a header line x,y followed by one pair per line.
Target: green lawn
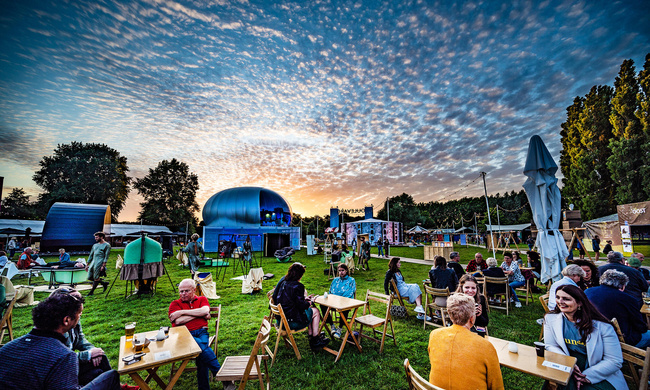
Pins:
x,y
103,321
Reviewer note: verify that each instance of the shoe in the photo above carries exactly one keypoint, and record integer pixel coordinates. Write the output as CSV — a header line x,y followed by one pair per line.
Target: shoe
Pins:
x,y
540,321
336,332
517,304
230,385
421,317
419,309
356,335
129,387
105,285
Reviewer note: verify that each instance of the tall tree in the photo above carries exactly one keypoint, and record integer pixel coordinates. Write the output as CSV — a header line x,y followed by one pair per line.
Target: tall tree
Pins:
x,y
84,173
628,139
643,114
571,149
16,205
590,174
169,193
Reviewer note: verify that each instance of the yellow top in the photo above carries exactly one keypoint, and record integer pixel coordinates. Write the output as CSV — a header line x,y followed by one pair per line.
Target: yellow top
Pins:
x,y
462,360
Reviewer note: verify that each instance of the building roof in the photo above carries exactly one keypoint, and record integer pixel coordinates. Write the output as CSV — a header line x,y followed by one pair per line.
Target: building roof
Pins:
x,y
507,228
121,230
21,224
607,218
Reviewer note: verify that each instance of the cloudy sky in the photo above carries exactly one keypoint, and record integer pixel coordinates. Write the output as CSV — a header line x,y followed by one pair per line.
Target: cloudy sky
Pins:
x,y
326,102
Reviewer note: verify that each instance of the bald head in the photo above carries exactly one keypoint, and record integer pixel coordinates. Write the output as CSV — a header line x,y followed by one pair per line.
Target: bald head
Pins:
x,y
186,290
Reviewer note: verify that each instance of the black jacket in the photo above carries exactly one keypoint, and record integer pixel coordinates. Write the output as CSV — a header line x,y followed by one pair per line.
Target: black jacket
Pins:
x,y
494,272
291,296
443,278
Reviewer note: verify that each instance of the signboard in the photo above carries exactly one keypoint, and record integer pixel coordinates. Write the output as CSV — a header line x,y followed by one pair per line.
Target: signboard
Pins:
x,y
629,215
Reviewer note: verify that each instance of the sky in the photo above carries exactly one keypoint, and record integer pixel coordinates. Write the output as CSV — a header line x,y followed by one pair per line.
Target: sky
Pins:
x,y
328,103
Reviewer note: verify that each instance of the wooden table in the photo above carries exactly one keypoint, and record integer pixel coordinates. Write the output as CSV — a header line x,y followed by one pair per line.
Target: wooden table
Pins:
x,y
527,361
645,310
340,304
179,347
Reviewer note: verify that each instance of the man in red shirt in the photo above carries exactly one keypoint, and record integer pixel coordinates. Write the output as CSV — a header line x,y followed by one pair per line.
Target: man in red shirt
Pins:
x,y
194,311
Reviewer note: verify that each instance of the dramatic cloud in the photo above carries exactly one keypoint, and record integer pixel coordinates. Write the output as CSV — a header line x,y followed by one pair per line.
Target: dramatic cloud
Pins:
x,y
327,103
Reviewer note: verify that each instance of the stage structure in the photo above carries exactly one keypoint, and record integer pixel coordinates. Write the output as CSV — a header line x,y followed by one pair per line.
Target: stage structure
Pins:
x,y
375,228
234,213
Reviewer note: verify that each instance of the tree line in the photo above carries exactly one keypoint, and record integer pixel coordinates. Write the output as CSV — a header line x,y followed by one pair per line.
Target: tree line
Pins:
x,y
97,174
605,155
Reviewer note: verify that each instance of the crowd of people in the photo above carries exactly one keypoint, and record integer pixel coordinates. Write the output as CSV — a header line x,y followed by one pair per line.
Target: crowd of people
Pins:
x,y
582,305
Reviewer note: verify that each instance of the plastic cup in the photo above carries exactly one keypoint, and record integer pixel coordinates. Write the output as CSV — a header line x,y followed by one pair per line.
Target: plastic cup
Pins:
x,y
512,347
325,294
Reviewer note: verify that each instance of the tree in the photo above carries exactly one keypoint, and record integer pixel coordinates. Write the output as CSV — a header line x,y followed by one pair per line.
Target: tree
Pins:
x,y
571,149
16,205
169,193
643,114
627,145
84,173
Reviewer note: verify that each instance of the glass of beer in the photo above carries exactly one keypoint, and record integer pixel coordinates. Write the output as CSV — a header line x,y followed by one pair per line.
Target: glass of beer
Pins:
x,y
129,330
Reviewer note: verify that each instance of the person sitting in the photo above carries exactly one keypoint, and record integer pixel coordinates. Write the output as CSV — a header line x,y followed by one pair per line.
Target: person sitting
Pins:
x,y
576,328
516,256
515,278
412,291
572,275
535,263
637,284
493,271
248,249
347,257
477,263
290,293
64,261
468,285
591,278
194,311
459,358
25,260
345,286
454,258
442,277
92,360
3,259
612,302
635,261
40,360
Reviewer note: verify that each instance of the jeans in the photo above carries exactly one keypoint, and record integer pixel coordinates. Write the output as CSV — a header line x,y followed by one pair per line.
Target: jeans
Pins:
x,y
88,371
110,380
380,251
206,361
645,340
513,286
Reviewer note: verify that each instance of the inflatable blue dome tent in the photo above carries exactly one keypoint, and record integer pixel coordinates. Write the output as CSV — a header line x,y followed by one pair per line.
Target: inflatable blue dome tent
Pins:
x,y
72,226
236,212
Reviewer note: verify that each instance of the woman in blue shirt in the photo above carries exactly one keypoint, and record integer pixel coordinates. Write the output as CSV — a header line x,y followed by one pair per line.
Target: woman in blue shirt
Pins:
x,y
345,286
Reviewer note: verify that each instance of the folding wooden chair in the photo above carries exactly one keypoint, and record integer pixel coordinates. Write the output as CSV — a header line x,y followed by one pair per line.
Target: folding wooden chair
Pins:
x,y
279,321
544,301
506,293
430,306
6,322
395,294
374,322
215,312
240,368
415,381
638,362
617,328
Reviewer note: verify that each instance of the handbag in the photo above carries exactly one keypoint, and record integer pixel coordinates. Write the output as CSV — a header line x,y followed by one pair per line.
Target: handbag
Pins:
x,y
397,311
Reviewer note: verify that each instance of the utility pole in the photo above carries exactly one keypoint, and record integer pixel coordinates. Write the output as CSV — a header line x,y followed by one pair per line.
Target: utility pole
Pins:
x,y
487,203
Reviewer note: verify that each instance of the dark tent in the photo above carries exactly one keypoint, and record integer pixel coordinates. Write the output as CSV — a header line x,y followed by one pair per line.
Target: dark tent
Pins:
x,y
72,226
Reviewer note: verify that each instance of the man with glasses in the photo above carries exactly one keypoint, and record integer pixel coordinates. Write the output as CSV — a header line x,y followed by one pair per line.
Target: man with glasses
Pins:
x,y
193,312
41,359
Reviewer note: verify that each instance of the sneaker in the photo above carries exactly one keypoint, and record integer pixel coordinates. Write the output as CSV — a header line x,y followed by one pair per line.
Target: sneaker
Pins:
x,y
517,304
336,333
540,321
125,386
419,309
421,317
230,385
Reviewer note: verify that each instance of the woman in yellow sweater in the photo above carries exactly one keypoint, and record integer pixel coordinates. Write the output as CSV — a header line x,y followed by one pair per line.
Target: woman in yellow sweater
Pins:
x,y
454,349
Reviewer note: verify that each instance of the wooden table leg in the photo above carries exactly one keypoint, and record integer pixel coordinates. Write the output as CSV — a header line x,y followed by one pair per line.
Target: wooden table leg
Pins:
x,y
172,382
324,323
139,381
153,375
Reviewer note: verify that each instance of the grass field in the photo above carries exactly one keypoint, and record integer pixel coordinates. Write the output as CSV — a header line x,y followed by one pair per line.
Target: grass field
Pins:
x,y
103,321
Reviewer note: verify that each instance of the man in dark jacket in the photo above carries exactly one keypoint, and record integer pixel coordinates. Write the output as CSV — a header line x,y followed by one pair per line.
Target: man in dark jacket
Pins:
x,y
610,300
637,284
454,258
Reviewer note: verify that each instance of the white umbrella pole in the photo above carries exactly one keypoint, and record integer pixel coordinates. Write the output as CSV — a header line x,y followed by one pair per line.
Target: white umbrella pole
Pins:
x,y
487,203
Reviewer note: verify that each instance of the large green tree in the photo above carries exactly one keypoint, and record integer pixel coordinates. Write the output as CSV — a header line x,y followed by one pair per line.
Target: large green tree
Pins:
x,y
84,173
643,114
16,205
591,175
571,149
169,193
628,137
